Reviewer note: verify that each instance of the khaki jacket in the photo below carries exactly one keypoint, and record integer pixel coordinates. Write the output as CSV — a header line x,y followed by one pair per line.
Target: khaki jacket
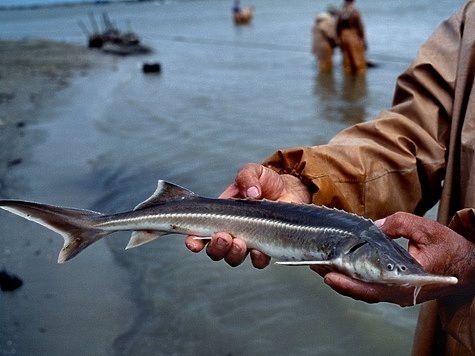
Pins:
x,y
413,155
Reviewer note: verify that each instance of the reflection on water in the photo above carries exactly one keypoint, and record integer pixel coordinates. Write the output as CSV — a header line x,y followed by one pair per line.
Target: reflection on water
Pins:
x,y
354,89
354,93
325,86
341,97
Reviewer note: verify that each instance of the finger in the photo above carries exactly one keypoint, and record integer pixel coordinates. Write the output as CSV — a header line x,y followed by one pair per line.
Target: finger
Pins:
x,y
257,182
246,184
219,246
352,288
248,180
237,253
369,292
231,192
194,244
380,222
412,227
399,224
259,260
320,269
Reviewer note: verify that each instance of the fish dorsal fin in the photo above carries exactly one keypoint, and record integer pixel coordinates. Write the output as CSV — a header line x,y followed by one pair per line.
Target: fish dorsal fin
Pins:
x,y
165,192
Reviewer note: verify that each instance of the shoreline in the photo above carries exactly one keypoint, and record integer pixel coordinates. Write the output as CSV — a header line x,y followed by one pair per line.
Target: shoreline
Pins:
x,y
32,72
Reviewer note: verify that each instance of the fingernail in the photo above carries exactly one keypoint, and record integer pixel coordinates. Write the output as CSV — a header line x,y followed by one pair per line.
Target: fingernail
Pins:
x,y
221,243
235,249
380,222
252,193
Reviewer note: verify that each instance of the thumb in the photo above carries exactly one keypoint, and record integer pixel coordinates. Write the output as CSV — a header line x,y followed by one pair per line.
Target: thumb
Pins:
x,y
409,226
379,223
396,225
246,184
248,180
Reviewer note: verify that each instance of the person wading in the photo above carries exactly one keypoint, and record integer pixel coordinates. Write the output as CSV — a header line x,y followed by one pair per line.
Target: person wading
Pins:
x,y
352,40
325,39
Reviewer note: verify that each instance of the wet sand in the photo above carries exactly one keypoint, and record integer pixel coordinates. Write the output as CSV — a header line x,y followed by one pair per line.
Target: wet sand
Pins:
x,y
57,310
31,71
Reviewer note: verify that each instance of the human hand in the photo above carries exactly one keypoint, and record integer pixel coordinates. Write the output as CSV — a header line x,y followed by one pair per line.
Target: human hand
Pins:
x,y
253,181
437,248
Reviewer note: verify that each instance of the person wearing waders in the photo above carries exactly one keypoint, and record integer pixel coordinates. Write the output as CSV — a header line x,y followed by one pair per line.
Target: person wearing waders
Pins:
x,y
352,40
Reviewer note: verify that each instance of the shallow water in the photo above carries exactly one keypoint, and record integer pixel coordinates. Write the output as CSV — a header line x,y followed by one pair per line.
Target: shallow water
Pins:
x,y
226,96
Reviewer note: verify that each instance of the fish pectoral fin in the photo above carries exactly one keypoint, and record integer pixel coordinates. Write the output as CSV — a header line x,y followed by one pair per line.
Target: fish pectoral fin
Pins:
x,y
141,237
304,263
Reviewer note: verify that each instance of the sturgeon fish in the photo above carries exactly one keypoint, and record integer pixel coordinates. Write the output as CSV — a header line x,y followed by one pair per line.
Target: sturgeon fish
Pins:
x,y
294,234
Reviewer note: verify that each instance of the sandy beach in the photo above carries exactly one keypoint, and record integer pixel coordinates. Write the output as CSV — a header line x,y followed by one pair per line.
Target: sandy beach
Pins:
x,y
48,314
32,71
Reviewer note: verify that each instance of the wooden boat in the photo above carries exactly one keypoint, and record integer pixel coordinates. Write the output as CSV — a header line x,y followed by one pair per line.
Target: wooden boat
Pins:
x,y
111,39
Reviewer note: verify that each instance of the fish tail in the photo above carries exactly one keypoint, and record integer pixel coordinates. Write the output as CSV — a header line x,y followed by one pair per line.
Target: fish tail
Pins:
x,y
75,225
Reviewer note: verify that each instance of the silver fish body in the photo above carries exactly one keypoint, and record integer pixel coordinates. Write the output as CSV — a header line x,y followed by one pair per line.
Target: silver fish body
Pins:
x,y
294,234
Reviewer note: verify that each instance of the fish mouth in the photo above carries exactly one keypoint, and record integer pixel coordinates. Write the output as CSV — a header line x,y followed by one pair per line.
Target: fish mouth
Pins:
x,y
416,280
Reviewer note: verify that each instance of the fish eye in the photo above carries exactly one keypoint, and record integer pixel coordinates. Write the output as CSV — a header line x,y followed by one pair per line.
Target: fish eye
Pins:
x,y
390,266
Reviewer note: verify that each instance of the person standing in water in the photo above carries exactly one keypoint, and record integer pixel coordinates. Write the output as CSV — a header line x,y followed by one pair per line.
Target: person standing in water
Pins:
x,y
325,39
352,40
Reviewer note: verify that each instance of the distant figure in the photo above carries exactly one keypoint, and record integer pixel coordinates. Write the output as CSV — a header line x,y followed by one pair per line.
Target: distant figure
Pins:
x,y
325,38
352,40
242,16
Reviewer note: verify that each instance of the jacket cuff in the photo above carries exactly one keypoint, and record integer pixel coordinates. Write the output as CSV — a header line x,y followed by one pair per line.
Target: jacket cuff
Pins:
x,y
322,188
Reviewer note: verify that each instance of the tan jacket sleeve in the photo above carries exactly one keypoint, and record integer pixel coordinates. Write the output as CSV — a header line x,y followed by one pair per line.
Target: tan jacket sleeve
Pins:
x,y
463,223
373,169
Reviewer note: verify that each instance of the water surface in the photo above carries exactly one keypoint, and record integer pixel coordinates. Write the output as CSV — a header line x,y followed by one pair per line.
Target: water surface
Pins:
x,y
226,96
